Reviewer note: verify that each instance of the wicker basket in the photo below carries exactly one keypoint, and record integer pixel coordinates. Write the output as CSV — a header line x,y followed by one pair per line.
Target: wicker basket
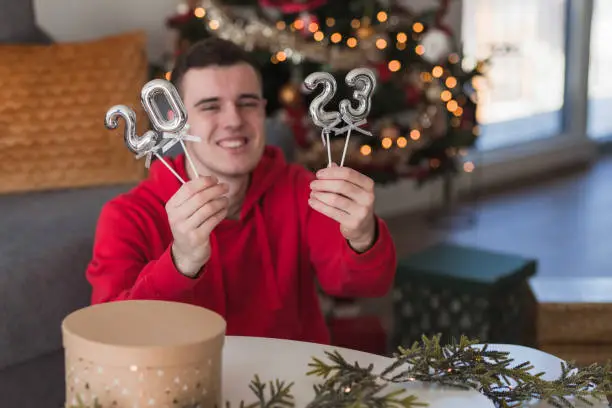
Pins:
x,y
53,100
575,318
581,323
581,332
581,354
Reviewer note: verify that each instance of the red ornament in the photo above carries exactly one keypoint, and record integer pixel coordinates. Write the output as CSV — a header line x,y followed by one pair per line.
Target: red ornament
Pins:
x,y
307,19
440,14
422,173
413,95
292,7
468,118
384,74
295,115
179,19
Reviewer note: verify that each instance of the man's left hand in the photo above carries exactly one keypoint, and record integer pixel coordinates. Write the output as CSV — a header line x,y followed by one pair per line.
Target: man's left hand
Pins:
x,y
346,196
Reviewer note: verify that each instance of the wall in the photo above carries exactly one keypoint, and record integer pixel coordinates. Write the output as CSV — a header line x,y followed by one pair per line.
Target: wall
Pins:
x,y
78,20
81,20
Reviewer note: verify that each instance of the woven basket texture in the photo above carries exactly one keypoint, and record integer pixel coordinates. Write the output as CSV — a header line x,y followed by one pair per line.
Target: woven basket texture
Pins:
x,y
575,323
53,100
581,354
579,332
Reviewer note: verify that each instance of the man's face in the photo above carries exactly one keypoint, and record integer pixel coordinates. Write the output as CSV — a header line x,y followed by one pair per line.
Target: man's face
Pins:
x,y
227,111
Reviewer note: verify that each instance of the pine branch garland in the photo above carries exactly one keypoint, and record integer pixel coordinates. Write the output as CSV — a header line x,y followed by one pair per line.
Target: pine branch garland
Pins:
x,y
350,385
464,364
280,394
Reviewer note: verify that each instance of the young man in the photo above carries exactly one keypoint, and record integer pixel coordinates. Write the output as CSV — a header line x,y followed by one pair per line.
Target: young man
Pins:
x,y
250,237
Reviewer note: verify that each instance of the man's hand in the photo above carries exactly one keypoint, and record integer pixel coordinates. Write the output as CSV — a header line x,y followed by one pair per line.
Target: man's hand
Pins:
x,y
193,212
346,196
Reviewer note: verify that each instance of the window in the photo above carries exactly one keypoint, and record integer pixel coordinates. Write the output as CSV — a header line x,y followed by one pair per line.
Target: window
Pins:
x,y
600,78
521,96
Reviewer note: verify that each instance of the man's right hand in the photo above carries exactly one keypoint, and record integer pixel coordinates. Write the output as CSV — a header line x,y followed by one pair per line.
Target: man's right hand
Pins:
x,y
193,212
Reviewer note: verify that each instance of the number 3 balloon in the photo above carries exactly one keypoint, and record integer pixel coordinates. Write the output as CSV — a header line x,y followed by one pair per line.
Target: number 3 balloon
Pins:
x,y
364,81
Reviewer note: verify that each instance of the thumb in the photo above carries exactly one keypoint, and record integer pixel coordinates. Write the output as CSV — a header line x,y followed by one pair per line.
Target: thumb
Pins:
x,y
333,164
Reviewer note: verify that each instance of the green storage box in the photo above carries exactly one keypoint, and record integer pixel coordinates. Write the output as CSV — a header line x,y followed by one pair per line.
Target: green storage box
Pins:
x,y
453,290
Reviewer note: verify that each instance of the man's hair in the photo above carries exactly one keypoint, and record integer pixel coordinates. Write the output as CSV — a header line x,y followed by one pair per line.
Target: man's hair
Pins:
x,y
212,51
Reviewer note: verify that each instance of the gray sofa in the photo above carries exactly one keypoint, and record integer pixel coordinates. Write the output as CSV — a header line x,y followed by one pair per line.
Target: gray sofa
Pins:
x,y
45,244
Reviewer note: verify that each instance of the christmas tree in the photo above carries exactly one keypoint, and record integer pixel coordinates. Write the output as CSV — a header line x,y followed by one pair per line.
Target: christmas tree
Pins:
x,y
423,112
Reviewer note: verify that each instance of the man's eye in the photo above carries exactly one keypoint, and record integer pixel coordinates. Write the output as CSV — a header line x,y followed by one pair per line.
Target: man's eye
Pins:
x,y
210,108
250,104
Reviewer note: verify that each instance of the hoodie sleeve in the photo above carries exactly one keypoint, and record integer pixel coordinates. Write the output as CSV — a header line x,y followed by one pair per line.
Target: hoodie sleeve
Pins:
x,y
341,271
120,270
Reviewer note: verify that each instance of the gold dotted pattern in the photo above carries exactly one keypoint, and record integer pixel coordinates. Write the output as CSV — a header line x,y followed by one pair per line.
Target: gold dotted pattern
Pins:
x,y
53,101
193,386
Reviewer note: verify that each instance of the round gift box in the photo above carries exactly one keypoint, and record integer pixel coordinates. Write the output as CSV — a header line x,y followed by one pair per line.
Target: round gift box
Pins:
x,y
143,353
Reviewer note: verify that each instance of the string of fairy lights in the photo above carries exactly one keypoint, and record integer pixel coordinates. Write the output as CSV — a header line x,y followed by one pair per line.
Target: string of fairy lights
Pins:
x,y
369,38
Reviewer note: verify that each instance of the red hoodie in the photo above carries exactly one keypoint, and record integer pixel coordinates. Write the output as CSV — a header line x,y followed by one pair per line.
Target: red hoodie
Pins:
x,y
263,270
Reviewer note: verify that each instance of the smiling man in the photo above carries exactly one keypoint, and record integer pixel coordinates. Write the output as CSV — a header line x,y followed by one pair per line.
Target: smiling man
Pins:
x,y
250,235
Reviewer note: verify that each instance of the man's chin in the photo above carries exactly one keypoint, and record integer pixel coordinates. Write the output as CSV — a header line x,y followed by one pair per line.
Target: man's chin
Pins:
x,y
238,169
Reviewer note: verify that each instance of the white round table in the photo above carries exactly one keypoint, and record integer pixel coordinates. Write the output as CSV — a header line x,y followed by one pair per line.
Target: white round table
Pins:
x,y
272,359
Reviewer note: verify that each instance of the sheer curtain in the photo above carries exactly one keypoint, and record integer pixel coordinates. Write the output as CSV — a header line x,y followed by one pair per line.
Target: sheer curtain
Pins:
x,y
521,98
600,71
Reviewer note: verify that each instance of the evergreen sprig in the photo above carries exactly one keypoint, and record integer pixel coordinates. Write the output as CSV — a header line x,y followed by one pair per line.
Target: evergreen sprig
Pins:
x,y
593,382
463,364
460,364
350,385
279,396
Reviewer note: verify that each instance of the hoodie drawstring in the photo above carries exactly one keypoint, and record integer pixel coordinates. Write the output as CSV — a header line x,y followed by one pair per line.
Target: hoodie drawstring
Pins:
x,y
216,269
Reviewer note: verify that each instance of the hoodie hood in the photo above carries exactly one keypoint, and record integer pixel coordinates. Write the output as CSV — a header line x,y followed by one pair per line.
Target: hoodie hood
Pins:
x,y
163,184
271,168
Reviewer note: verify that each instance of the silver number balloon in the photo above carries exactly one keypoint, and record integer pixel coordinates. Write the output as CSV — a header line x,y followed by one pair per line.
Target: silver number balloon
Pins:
x,y
136,144
158,120
364,82
319,115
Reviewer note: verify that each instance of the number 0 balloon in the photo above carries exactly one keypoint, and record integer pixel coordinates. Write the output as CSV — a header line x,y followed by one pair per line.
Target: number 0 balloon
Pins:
x,y
168,130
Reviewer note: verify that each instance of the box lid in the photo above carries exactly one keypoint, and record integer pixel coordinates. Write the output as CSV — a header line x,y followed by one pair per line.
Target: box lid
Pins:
x,y
451,262
143,332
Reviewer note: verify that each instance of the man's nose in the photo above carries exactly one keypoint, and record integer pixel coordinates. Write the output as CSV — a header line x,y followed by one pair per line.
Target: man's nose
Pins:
x,y
231,116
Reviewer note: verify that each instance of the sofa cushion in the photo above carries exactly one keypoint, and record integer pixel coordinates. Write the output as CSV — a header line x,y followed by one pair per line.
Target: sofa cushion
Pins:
x,y
47,240
35,383
53,101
